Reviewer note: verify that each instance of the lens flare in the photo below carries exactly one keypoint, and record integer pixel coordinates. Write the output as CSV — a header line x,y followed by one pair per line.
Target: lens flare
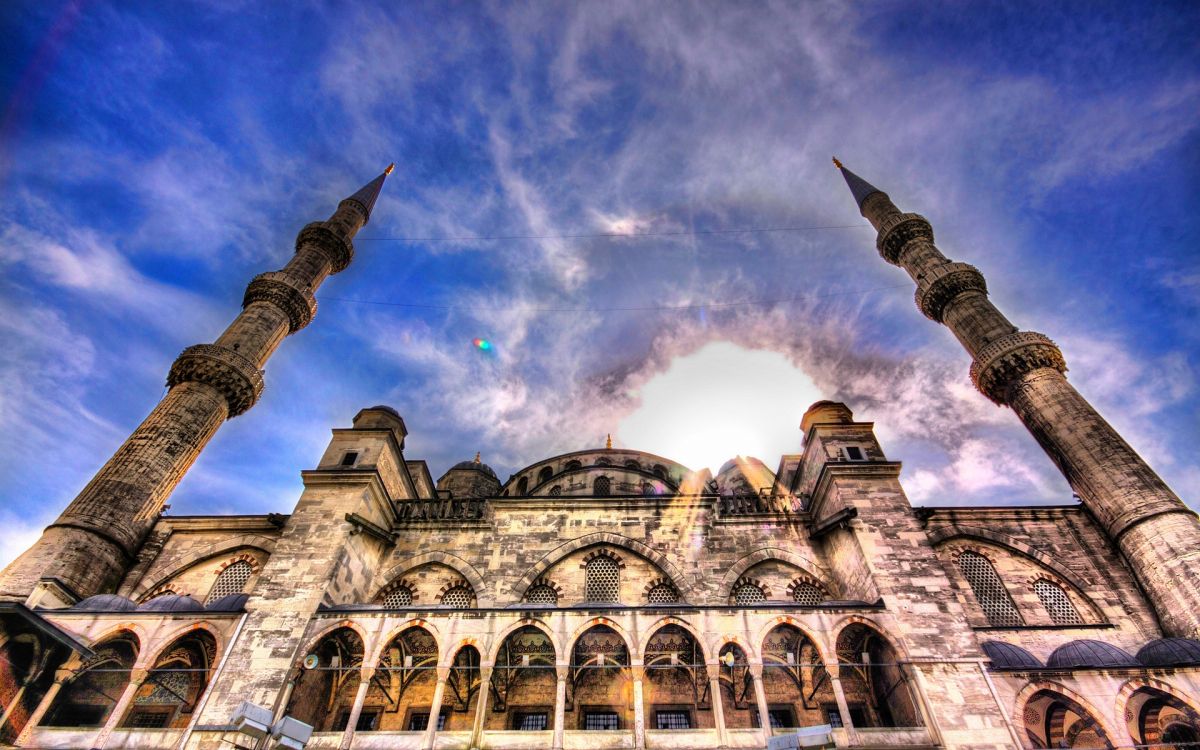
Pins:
x,y
482,345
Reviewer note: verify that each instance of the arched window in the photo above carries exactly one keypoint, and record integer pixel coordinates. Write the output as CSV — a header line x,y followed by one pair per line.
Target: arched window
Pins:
x,y
603,462
399,597
231,581
746,592
458,597
573,465
1058,605
541,593
660,471
648,489
808,594
602,487
522,485
602,576
556,490
631,464
662,593
545,474
989,590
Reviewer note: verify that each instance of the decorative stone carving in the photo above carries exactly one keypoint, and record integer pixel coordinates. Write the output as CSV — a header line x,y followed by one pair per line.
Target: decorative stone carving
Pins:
x,y
1001,363
339,250
280,290
943,284
898,230
237,378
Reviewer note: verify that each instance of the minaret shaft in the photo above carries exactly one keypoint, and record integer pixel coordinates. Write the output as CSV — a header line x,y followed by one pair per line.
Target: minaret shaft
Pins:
x,y
92,543
1158,535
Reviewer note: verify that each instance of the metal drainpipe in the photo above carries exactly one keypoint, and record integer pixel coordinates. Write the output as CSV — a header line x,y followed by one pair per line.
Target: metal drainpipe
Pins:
x,y
187,733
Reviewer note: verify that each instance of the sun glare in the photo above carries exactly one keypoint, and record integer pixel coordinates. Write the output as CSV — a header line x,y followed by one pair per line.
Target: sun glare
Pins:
x,y
718,402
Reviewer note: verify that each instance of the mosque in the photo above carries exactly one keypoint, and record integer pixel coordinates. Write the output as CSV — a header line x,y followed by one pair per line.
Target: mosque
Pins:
x,y
607,598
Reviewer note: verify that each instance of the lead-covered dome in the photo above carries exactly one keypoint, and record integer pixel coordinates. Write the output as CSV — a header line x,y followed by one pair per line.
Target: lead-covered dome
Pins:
x,y
1087,653
470,479
172,603
1009,656
1170,652
228,603
105,603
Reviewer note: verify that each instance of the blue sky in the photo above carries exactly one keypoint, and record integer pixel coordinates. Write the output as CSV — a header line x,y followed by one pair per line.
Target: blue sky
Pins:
x,y
154,157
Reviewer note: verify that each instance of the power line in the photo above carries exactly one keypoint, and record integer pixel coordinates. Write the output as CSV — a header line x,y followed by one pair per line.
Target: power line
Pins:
x,y
611,235
650,308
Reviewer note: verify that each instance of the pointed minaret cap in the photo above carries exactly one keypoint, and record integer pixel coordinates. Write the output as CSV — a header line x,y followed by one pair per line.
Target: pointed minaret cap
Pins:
x,y
859,187
477,456
608,443
368,193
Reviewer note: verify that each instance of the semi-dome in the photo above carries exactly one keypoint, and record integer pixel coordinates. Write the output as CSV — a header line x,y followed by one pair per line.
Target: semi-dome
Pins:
x,y
1170,652
172,603
1087,653
1009,656
105,603
228,603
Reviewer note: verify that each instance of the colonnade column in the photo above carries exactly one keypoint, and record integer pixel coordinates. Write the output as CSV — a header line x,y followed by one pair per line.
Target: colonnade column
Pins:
x,y
560,705
12,704
718,709
60,678
485,681
638,671
136,678
435,708
835,679
760,695
365,675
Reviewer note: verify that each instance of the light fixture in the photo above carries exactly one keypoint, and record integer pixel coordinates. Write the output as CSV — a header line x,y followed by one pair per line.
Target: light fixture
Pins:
x,y
252,721
289,734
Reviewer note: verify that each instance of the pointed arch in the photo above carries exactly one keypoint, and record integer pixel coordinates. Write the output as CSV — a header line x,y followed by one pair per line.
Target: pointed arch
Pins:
x,y
945,534
264,545
609,623
552,558
1031,690
483,596
662,622
806,566
493,650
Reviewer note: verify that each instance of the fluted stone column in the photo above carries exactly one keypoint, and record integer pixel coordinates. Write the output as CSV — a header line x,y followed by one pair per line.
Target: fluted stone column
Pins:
x,y
1155,531
364,684
91,545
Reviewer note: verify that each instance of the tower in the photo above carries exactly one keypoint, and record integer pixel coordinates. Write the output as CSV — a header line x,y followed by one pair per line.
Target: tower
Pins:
x,y
1158,535
91,544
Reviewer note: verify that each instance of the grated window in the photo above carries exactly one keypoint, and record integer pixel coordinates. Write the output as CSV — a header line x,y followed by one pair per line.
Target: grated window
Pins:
x,y
458,597
601,720
989,590
556,490
541,594
748,593
663,593
531,722
1058,605
141,719
603,580
602,487
231,581
672,720
807,594
397,598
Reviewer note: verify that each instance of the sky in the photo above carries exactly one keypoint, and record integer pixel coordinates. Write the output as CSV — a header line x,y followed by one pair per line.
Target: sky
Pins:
x,y
155,156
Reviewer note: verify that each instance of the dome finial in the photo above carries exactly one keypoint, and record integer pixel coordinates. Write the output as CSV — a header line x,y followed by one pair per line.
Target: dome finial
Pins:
x,y
608,443
837,163
392,166
478,457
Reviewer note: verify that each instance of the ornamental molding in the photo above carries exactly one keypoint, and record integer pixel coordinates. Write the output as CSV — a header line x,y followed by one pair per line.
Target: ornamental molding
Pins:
x,y
1000,365
941,285
897,230
279,289
237,378
336,248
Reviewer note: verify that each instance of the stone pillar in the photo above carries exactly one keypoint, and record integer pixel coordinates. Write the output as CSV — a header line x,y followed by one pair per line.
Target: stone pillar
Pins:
x,y
12,704
364,684
1155,531
835,680
637,671
485,681
760,695
718,706
136,678
96,539
60,678
435,708
560,706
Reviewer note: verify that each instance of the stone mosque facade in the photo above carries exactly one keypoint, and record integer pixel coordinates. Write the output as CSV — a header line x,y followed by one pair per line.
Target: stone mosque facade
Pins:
x,y
610,598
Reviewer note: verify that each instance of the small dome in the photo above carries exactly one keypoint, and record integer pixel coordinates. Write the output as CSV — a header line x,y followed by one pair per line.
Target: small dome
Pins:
x,y
1170,652
172,603
735,462
228,603
388,409
475,466
1086,653
1009,656
105,603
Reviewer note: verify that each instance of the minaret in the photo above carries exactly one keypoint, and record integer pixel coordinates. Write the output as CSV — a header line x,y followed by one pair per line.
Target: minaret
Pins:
x,y
1157,533
91,545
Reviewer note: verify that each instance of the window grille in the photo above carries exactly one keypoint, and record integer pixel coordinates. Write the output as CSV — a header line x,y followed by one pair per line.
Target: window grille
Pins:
x,y
556,490
531,722
601,720
541,594
807,594
748,593
663,593
1058,605
398,597
602,487
781,718
672,720
989,590
458,597
545,474
419,722
231,581
154,719
603,580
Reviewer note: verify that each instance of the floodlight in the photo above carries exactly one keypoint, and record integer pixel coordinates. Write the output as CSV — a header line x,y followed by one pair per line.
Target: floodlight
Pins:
x,y
289,734
252,720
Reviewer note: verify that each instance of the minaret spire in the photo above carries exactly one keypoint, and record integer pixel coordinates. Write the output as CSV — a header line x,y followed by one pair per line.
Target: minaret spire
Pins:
x,y
1023,370
88,549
